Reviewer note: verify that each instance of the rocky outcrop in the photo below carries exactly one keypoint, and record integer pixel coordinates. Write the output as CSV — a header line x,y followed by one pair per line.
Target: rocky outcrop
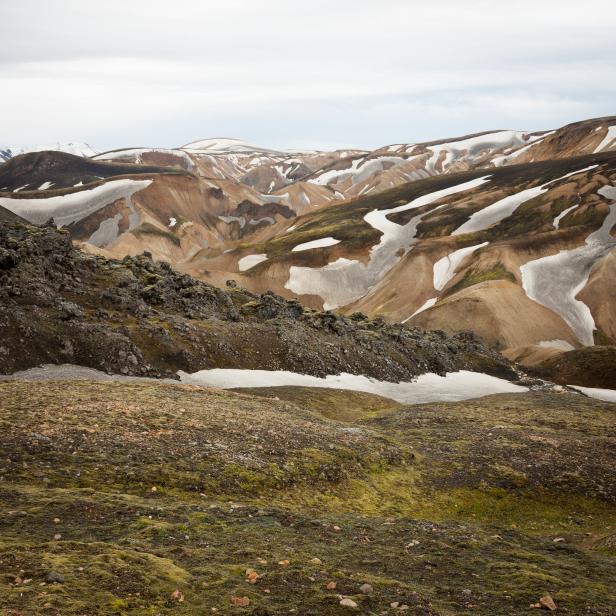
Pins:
x,y
141,317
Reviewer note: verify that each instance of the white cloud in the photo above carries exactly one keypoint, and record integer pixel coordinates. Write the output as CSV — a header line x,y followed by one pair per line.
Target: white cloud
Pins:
x,y
351,72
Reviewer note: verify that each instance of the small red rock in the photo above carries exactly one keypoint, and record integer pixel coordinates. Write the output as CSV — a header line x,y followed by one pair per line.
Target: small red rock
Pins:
x,y
548,603
240,601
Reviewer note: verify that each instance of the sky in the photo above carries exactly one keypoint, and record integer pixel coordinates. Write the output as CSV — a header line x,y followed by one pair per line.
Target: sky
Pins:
x,y
290,74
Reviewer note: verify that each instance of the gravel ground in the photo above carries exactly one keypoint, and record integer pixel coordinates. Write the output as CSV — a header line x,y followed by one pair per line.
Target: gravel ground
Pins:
x,y
64,372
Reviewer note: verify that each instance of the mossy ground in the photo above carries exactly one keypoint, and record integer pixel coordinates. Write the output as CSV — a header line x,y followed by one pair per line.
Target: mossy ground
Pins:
x,y
342,405
135,491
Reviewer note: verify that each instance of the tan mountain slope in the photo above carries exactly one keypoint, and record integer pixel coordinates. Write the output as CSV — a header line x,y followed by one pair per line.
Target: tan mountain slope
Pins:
x,y
451,252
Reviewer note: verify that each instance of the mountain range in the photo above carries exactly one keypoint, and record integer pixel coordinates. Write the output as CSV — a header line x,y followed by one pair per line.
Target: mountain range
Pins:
x,y
504,233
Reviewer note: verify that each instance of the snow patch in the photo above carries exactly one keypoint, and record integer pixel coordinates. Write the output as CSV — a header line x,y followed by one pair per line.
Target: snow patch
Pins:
x,y
608,140
65,209
472,147
107,232
555,281
499,161
360,169
562,345
426,388
445,268
245,263
427,304
345,280
225,145
498,211
173,221
607,395
556,222
230,219
493,214
45,185
321,243
77,148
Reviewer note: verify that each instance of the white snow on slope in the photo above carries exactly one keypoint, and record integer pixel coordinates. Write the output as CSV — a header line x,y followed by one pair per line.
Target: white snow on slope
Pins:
x,y
445,268
224,145
276,198
426,388
473,147
345,280
608,140
45,185
107,232
493,214
556,222
78,148
499,161
570,174
245,263
231,219
359,170
563,345
137,154
427,304
173,221
607,395
555,281
321,243
65,209
498,211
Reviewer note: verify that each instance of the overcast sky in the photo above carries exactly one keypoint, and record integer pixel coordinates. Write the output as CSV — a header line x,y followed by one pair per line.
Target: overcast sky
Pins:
x,y
284,73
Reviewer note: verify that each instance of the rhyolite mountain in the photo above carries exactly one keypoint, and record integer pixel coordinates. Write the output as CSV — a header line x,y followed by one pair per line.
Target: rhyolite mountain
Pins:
x,y
504,233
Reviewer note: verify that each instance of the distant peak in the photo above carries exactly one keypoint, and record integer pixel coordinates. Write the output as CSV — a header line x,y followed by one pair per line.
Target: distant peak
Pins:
x,y
78,148
224,144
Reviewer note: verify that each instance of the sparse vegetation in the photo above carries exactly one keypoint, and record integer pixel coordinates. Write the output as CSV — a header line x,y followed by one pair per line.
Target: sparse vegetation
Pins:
x,y
147,228
156,499
475,276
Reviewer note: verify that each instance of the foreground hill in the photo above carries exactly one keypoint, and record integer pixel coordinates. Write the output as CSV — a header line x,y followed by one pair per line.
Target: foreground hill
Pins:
x,y
144,498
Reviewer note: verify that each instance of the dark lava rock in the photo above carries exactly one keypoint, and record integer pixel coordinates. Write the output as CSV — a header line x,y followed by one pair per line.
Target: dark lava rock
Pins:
x,y
140,317
53,577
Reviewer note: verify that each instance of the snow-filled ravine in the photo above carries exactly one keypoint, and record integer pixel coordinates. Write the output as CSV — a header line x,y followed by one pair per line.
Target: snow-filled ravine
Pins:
x,y
426,388
346,280
555,281
65,209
